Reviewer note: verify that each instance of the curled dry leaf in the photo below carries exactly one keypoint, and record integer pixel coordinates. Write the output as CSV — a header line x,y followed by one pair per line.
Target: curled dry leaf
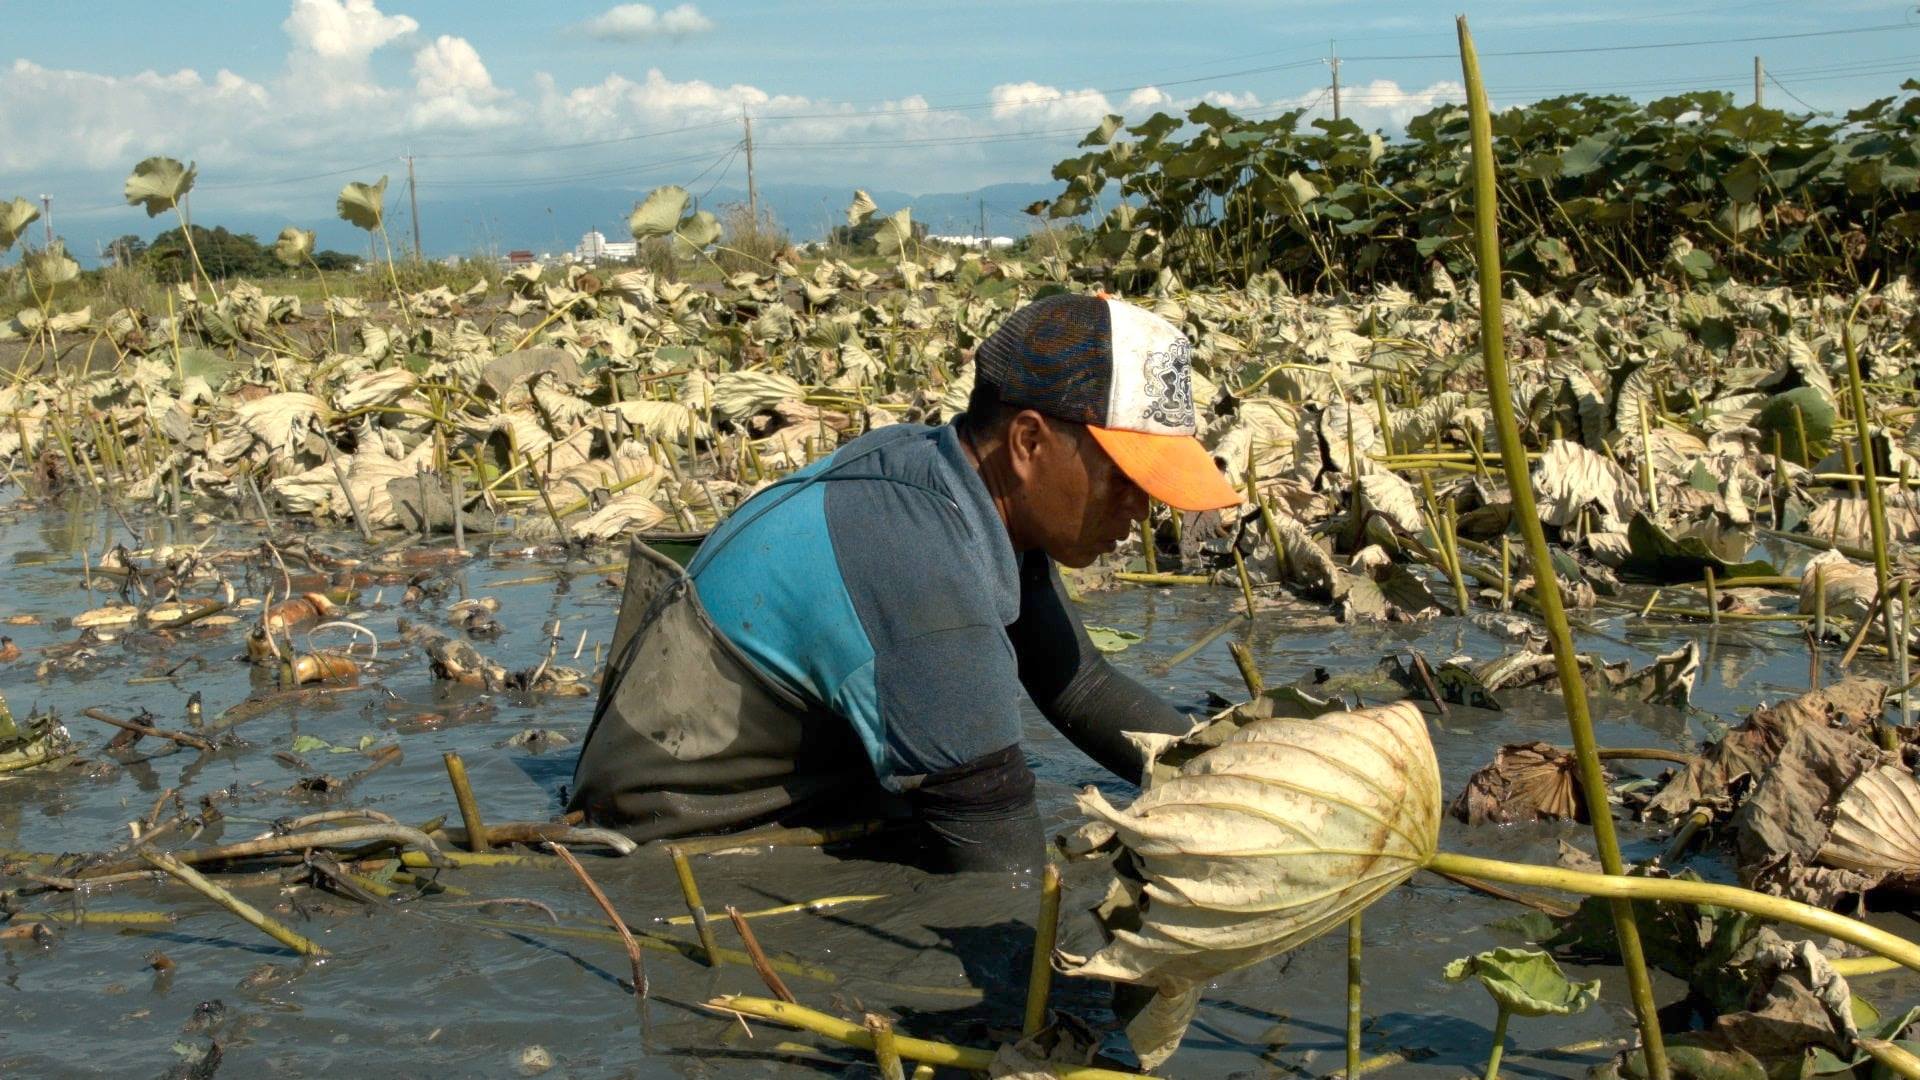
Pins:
x,y
1570,478
1258,845
1525,782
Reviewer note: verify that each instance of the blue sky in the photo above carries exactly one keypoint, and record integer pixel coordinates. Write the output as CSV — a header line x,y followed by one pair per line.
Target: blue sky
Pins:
x,y
280,101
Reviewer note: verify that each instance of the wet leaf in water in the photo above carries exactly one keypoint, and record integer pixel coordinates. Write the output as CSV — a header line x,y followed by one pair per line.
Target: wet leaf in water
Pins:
x,y
1109,640
1525,982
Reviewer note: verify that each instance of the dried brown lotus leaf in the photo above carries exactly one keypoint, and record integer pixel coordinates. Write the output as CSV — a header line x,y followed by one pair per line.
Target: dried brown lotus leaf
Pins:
x,y
1525,782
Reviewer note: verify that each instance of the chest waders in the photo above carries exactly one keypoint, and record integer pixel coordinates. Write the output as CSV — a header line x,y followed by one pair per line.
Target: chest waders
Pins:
x,y
690,737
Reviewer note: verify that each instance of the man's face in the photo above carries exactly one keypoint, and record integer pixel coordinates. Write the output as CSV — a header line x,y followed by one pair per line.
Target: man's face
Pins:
x,y
1076,505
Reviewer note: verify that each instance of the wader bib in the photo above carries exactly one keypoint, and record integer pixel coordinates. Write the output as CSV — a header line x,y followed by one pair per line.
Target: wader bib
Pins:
x,y
688,737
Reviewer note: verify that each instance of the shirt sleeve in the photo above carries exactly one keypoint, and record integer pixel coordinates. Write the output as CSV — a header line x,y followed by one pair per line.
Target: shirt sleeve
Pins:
x,y
1076,689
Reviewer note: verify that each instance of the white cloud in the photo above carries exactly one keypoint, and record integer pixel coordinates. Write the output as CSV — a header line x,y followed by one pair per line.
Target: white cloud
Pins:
x,y
1382,103
1048,106
333,42
77,119
343,30
641,22
452,88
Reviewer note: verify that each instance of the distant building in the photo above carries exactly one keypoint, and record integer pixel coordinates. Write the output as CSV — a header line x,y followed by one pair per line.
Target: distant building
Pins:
x,y
982,242
595,247
520,258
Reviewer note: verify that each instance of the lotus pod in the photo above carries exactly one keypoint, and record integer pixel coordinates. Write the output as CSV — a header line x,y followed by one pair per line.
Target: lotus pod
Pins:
x,y
1876,824
1259,845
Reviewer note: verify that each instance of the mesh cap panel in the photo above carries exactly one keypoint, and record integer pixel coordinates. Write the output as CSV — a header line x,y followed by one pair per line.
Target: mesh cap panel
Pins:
x,y
1054,355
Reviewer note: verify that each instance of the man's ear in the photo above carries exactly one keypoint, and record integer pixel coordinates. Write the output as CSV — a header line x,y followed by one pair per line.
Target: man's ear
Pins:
x,y
1027,438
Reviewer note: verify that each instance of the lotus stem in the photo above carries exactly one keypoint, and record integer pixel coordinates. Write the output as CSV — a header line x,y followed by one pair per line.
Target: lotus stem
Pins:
x,y
1499,1043
821,904
1819,603
1046,931
469,806
1572,688
886,1054
1147,546
1713,599
1249,674
1135,578
469,860
634,957
1246,583
251,915
180,737
1623,889
1893,1056
858,1037
759,956
1353,994
1683,836
691,891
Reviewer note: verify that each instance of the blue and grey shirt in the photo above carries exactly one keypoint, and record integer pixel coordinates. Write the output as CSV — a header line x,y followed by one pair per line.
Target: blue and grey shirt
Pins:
x,y
881,584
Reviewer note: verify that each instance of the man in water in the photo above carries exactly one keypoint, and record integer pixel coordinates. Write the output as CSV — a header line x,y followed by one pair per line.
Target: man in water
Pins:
x,y
860,633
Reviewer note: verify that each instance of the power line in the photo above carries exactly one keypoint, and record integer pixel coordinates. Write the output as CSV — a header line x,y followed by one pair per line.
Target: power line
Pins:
x,y
1649,44
1796,97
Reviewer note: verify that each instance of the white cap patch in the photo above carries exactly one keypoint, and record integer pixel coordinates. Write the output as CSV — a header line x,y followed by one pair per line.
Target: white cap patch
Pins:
x,y
1152,373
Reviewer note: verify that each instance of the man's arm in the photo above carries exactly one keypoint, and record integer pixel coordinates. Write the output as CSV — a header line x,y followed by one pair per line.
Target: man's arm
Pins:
x,y
1090,703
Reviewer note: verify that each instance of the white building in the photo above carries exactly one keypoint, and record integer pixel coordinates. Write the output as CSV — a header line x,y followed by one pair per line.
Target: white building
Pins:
x,y
982,242
595,247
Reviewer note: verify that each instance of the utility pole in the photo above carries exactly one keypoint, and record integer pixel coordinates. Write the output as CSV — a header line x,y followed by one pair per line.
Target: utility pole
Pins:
x,y
413,204
984,242
1334,63
46,216
753,192
1759,73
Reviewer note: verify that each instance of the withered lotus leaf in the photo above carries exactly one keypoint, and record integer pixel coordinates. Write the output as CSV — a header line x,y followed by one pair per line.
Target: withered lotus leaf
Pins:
x,y
1257,846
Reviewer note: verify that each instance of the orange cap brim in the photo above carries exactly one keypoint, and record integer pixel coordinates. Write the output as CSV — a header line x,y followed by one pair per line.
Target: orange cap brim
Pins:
x,y
1175,469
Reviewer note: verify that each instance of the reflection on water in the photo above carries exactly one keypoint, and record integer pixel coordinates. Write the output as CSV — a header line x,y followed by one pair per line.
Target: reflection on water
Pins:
x,y
463,990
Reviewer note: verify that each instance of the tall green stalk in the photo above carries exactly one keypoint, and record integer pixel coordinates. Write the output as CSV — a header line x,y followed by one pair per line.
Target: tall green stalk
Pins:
x,y
1546,586
1876,506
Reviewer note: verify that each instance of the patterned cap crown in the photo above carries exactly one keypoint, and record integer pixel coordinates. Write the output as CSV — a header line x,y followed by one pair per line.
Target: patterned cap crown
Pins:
x,y
1093,361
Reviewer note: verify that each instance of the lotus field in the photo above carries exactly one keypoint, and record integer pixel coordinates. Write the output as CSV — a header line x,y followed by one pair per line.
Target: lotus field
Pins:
x,y
1701,365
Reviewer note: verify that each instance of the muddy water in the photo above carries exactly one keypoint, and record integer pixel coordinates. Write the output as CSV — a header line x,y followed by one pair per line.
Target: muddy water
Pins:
x,y
466,991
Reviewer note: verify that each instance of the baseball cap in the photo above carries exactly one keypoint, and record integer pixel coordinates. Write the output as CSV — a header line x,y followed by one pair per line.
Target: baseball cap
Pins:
x,y
1126,374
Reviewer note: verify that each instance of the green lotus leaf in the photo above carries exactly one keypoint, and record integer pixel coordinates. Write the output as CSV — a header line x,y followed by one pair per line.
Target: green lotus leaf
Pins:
x,y
1110,640
294,245
1653,554
860,209
659,213
1103,134
695,233
362,205
14,219
158,184
894,233
1816,418
1525,982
